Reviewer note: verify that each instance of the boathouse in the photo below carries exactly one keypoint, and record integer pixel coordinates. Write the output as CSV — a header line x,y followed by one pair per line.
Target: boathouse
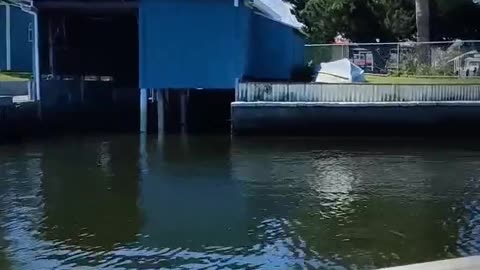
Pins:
x,y
93,58
16,39
155,45
174,44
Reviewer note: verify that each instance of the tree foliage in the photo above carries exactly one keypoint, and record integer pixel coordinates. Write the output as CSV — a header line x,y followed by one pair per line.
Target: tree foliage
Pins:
x,y
18,3
386,20
455,19
11,2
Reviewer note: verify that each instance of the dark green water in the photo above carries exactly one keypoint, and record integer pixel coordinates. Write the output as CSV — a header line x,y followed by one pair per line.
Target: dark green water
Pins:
x,y
113,202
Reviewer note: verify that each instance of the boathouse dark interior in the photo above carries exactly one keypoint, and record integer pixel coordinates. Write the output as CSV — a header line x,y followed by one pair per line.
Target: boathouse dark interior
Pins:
x,y
89,62
90,40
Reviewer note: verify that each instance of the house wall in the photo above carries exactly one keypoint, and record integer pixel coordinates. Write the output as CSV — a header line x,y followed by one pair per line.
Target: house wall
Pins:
x,y
3,53
192,44
276,49
21,47
22,50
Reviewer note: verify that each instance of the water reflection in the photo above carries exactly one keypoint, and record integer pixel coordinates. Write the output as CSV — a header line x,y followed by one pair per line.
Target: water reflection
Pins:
x,y
21,207
468,213
127,202
364,207
189,198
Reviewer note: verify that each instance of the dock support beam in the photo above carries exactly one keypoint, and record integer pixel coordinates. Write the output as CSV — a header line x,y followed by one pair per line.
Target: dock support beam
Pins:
x,y
143,110
8,36
183,110
82,89
50,47
160,112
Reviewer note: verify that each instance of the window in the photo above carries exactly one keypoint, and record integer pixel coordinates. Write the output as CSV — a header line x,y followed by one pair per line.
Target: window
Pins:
x,y
30,32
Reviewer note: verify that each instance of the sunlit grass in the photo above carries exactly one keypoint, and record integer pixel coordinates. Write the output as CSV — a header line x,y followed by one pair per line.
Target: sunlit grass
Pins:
x,y
376,79
14,76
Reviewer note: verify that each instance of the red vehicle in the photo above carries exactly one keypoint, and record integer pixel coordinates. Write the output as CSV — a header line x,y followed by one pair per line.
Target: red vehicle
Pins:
x,y
363,58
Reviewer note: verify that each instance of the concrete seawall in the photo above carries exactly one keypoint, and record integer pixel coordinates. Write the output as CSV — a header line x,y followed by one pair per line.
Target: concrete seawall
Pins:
x,y
74,104
355,109
6,101
69,105
15,88
467,263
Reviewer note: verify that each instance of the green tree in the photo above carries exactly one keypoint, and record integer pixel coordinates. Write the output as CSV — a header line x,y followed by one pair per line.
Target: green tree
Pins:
x,y
397,19
359,20
324,19
454,19
10,1
17,2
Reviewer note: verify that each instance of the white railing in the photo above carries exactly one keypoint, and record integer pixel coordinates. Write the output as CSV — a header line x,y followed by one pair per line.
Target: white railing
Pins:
x,y
308,92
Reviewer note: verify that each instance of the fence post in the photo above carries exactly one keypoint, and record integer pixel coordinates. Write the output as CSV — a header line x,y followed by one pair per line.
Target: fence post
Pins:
x,y
398,58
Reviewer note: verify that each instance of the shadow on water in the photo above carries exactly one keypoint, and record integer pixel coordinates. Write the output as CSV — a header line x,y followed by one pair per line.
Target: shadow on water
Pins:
x,y
4,260
90,188
124,202
189,181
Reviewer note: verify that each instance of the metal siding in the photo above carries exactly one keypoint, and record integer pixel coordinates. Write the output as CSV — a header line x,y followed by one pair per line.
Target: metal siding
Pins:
x,y
277,92
191,44
298,41
276,49
269,58
22,50
243,38
3,56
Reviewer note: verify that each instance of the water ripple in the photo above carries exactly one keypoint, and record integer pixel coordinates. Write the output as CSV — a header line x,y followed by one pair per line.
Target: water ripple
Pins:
x,y
206,203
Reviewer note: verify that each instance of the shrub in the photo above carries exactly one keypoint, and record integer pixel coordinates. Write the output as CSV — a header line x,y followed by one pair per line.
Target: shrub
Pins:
x,y
303,73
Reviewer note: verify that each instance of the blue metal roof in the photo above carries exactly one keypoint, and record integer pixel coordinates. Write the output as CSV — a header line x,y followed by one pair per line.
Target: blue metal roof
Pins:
x,y
278,10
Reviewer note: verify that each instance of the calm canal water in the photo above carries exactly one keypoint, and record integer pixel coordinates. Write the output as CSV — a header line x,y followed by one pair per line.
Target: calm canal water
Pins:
x,y
114,202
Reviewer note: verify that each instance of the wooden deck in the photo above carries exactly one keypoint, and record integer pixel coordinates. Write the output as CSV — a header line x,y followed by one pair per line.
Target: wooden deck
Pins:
x,y
467,263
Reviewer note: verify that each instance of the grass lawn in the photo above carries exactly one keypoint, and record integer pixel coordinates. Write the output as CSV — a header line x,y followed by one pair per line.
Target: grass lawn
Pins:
x,y
14,76
374,79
